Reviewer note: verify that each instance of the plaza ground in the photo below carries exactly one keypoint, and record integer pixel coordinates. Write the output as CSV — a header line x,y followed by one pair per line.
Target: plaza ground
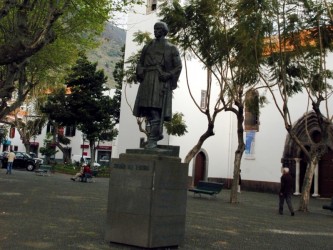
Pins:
x,y
53,212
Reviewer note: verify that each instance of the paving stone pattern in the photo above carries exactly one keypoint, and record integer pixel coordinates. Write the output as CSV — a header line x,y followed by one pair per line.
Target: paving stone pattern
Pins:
x,y
53,212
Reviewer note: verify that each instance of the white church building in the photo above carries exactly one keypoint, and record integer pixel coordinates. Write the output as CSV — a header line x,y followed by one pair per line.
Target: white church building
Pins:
x,y
268,147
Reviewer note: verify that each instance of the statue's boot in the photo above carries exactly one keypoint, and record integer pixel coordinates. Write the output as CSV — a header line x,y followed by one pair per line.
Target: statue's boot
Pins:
x,y
151,144
155,134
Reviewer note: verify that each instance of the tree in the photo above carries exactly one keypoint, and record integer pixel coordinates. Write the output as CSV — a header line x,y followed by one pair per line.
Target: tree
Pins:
x,y
93,110
118,75
48,150
28,128
177,125
299,40
29,121
85,106
227,51
55,108
29,28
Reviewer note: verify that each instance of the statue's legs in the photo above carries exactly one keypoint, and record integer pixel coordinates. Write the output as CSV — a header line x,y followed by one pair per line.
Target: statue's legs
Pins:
x,y
155,133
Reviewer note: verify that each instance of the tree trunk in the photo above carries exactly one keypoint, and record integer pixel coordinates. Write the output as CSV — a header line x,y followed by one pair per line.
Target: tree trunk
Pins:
x,y
235,180
67,158
238,156
47,159
305,197
27,147
92,152
209,132
64,151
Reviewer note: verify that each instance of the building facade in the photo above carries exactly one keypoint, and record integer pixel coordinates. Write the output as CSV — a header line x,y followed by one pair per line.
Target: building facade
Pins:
x,y
268,146
78,145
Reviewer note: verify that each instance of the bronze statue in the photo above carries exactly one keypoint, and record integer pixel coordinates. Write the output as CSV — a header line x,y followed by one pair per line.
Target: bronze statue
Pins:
x,y
158,71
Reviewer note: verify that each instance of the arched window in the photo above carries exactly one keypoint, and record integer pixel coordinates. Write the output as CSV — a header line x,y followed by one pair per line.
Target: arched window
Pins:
x,y
251,122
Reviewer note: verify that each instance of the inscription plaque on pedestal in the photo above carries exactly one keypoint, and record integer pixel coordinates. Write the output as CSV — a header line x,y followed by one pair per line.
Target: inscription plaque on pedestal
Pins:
x,y
147,199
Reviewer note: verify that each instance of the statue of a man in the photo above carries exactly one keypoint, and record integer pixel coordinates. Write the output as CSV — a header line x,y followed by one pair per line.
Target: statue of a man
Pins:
x,y
158,71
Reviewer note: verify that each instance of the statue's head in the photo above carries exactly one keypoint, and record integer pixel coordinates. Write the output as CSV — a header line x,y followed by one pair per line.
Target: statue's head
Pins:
x,y
161,26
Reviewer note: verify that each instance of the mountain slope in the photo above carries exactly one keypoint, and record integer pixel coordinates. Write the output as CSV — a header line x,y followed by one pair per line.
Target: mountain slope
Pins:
x,y
109,51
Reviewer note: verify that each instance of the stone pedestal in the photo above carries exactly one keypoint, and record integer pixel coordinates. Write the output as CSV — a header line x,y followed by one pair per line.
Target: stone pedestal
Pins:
x,y
147,198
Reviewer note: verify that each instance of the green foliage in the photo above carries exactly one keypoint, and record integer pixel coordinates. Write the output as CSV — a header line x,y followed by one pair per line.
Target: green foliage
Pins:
x,y
48,149
40,39
253,102
197,27
86,106
305,37
177,125
118,75
130,73
246,40
3,133
113,53
93,109
141,38
221,34
63,139
85,80
72,170
67,169
56,108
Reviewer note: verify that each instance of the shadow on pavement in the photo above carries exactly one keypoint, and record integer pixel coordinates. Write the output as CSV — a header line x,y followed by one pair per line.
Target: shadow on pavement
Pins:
x,y
53,212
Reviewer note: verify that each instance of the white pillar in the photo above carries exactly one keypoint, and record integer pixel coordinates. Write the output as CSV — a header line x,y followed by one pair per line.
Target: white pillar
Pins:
x,y
297,160
315,187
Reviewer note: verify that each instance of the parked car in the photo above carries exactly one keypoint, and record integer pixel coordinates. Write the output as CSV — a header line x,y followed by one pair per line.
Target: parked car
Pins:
x,y
3,154
104,160
38,161
22,160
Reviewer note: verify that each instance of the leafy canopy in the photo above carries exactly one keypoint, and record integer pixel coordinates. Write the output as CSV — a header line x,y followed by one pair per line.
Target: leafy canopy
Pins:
x,y
86,105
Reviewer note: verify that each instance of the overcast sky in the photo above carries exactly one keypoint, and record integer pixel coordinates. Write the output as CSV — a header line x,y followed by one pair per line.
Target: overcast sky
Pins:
x,y
120,20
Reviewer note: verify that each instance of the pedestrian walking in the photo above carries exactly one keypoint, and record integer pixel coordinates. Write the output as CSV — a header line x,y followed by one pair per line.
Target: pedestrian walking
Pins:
x,y
285,191
11,158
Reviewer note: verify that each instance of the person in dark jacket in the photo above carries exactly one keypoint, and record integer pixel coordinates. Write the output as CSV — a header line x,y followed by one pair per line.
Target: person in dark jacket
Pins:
x,y
157,71
286,191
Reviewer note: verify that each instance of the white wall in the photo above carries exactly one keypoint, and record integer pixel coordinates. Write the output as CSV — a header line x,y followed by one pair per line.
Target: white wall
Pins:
x,y
269,141
129,135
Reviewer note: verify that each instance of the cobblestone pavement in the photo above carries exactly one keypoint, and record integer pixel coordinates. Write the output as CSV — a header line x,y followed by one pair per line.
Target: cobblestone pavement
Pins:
x,y
53,212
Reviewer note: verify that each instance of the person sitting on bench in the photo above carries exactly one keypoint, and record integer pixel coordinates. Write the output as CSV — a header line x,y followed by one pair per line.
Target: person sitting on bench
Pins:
x,y
85,169
87,173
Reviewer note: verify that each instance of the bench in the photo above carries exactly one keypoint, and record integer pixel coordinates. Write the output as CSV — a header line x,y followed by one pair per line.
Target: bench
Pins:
x,y
44,170
329,207
205,187
86,178
94,173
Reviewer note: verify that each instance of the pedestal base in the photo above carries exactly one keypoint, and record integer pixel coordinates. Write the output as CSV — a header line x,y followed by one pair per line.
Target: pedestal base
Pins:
x,y
147,199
